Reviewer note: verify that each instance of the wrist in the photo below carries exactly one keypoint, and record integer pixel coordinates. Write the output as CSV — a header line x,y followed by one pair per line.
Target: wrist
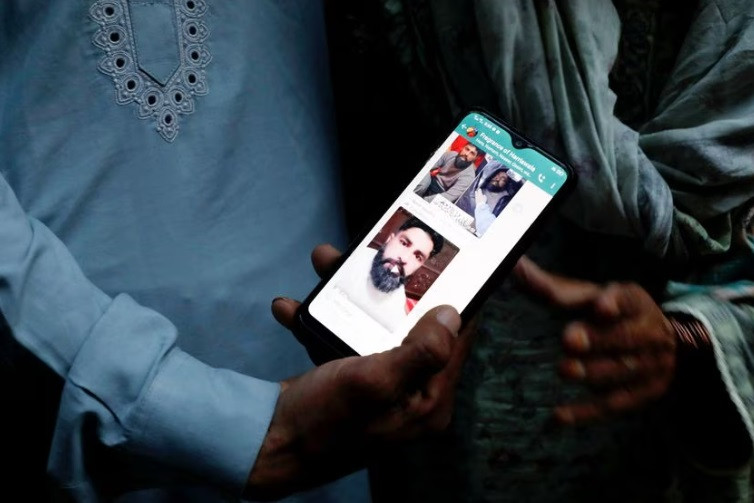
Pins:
x,y
276,463
695,363
694,357
714,436
689,331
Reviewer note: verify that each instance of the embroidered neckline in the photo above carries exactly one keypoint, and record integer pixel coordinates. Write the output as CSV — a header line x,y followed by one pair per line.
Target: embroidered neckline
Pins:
x,y
164,104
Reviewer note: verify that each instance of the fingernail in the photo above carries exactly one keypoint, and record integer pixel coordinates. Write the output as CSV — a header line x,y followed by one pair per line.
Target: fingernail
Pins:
x,y
577,338
284,299
448,317
609,306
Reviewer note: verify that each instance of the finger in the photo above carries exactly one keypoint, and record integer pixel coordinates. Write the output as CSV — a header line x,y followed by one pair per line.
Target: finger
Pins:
x,y
390,376
578,413
622,370
628,335
461,351
430,409
618,401
284,311
428,347
399,378
621,299
324,258
400,422
607,304
630,398
563,292
420,412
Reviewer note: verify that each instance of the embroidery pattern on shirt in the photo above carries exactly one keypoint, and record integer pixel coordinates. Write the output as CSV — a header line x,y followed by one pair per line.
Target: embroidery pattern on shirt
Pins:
x,y
164,104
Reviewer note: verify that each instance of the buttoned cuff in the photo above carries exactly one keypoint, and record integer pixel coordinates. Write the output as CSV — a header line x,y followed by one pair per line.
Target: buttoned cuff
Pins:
x,y
131,390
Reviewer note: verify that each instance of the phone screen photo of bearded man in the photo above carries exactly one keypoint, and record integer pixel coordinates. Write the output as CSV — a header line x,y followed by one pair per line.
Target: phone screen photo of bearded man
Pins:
x,y
387,278
494,187
387,274
403,253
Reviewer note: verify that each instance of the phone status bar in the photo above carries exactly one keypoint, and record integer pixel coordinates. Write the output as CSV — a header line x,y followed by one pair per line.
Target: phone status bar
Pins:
x,y
497,142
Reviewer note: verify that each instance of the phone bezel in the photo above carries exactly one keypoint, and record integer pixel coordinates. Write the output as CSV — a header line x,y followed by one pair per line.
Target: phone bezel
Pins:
x,y
313,333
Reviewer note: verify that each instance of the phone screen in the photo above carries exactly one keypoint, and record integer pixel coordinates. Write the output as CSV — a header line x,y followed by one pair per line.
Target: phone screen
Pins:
x,y
444,236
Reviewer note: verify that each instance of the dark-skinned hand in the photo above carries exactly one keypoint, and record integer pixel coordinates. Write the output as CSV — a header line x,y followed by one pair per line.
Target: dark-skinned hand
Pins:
x,y
329,421
621,346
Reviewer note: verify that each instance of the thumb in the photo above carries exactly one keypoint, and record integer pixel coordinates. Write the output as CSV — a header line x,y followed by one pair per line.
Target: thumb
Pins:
x,y
324,259
427,349
563,292
284,311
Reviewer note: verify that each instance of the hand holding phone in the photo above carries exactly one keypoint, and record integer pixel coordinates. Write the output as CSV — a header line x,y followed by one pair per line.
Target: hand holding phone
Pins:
x,y
447,239
353,406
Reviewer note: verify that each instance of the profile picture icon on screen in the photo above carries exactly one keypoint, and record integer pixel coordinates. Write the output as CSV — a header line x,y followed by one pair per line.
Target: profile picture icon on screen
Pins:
x,y
471,131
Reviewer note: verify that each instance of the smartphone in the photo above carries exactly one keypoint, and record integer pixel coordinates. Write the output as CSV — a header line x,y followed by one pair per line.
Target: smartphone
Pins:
x,y
449,238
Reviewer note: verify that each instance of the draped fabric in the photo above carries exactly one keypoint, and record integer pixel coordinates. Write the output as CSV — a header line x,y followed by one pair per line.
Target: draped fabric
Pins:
x,y
666,180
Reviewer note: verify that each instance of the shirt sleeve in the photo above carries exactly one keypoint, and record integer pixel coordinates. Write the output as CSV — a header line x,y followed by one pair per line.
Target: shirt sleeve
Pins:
x,y
128,388
444,158
727,314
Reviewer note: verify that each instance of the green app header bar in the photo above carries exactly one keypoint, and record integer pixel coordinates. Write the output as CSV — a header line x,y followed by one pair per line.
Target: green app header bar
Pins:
x,y
527,162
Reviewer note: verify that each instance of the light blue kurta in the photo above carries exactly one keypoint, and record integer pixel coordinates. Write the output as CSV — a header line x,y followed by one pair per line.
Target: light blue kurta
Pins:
x,y
121,244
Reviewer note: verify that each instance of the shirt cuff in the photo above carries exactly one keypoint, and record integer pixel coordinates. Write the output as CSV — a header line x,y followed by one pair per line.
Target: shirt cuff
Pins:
x,y
731,348
132,390
210,422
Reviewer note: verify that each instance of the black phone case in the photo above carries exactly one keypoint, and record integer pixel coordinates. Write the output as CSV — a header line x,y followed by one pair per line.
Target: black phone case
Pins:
x,y
323,345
